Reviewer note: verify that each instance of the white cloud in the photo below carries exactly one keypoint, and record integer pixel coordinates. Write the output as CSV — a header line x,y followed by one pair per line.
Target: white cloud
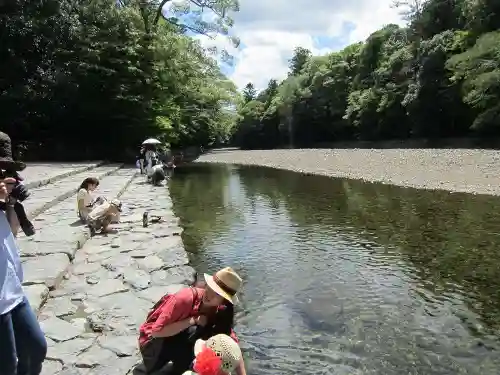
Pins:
x,y
269,30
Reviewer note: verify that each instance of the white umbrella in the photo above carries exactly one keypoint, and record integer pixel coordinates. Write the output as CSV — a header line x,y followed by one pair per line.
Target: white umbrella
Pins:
x,y
151,141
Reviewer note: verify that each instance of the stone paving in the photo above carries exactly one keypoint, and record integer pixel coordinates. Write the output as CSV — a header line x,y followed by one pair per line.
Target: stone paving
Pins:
x,y
46,255
91,318
38,174
43,198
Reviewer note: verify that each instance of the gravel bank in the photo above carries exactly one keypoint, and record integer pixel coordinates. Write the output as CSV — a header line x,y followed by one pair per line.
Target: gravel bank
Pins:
x,y
458,170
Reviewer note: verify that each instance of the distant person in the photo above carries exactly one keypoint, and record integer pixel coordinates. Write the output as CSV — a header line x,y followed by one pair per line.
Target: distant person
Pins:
x,y
142,160
219,355
22,343
178,320
154,166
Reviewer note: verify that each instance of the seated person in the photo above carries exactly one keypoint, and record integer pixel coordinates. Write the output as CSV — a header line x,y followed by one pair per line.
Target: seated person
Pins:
x,y
84,199
219,355
103,215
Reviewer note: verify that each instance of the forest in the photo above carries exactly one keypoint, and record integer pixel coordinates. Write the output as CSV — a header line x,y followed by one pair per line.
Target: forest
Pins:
x,y
91,79
436,78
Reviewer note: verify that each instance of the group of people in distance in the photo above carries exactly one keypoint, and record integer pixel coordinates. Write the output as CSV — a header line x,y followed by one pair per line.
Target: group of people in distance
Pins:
x,y
154,164
186,333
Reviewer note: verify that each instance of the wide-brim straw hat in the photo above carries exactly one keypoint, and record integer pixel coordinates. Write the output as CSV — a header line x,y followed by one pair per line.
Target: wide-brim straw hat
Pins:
x,y
225,348
226,283
6,160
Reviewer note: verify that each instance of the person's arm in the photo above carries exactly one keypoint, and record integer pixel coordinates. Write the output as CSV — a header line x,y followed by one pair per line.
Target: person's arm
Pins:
x,y
174,328
173,318
81,200
240,370
81,205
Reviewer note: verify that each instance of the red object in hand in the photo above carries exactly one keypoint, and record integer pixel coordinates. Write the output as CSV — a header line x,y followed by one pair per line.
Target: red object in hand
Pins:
x,y
208,363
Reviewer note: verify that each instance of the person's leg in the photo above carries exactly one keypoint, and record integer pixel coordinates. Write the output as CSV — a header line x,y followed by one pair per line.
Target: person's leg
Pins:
x,y
105,224
182,352
30,340
155,355
8,354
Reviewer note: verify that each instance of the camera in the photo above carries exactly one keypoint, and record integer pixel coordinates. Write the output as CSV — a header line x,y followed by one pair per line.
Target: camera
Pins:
x,y
19,194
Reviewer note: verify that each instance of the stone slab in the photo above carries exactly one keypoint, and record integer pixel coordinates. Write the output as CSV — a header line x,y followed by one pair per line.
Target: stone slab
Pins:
x,y
39,174
59,330
37,294
47,270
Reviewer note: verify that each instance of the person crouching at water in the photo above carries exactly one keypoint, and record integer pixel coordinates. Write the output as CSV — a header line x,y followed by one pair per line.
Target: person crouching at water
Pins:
x,y
219,355
178,320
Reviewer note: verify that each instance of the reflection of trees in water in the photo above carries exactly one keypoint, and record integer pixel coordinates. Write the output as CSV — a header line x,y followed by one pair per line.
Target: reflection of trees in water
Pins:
x,y
200,197
449,238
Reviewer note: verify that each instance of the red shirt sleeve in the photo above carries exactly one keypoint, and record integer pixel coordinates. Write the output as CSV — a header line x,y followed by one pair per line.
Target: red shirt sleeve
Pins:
x,y
178,306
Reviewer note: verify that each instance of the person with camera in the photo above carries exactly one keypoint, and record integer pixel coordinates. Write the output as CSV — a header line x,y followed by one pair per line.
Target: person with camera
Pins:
x,y
23,347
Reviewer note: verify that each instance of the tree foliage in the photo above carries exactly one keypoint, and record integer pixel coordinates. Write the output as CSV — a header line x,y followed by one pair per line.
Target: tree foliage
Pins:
x,y
93,78
437,77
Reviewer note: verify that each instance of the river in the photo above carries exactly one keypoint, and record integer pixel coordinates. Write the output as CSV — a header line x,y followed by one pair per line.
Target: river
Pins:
x,y
346,277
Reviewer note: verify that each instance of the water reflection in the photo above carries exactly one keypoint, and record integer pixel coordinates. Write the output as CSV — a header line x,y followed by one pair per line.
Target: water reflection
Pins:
x,y
346,277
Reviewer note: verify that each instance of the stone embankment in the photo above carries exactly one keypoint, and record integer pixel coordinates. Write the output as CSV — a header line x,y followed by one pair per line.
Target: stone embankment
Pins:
x,y
91,294
456,170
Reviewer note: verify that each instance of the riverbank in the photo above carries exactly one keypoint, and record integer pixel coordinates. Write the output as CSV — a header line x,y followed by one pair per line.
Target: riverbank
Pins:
x,y
91,294
456,170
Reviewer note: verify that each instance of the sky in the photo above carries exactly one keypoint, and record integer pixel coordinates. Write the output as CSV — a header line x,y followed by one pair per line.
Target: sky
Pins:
x,y
269,30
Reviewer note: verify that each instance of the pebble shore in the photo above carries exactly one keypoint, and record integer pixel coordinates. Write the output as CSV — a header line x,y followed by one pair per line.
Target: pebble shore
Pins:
x,y
91,294
454,170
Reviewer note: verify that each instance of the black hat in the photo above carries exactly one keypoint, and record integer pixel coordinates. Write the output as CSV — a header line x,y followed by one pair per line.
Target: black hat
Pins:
x,y
6,161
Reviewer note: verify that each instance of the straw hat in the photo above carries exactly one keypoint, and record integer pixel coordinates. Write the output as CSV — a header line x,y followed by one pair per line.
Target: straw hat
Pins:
x,y
226,283
225,348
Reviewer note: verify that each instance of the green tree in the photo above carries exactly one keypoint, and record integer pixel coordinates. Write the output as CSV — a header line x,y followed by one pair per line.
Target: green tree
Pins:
x,y
92,79
435,78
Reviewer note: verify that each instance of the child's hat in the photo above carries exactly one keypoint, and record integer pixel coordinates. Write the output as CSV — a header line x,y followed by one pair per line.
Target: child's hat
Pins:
x,y
219,346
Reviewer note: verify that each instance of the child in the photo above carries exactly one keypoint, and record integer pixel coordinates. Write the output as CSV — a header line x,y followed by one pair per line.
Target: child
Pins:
x,y
219,355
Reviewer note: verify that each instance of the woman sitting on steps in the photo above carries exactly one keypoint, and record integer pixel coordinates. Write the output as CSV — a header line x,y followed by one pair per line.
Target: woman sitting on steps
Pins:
x,y
97,213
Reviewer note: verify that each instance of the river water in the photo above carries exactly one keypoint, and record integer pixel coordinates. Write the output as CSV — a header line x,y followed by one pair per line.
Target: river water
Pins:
x,y
345,277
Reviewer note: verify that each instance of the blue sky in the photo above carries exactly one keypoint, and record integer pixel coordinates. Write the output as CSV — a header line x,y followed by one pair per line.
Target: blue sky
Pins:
x,y
269,30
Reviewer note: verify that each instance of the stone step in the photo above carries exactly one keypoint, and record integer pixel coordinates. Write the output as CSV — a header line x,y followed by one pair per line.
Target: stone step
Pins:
x,y
47,196
91,320
40,174
46,255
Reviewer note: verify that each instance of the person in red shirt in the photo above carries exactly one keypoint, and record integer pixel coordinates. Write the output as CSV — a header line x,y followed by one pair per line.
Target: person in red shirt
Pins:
x,y
178,320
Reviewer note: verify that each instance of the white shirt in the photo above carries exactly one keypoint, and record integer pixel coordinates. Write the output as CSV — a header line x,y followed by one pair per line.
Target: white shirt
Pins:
x,y
150,155
85,195
11,272
87,201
